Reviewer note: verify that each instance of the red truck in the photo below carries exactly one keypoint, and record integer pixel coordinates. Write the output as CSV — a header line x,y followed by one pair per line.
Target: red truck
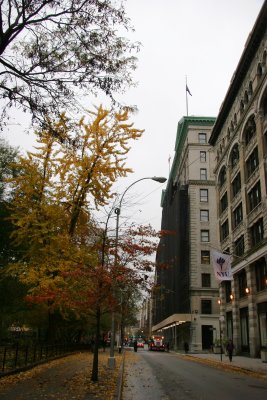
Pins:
x,y
157,343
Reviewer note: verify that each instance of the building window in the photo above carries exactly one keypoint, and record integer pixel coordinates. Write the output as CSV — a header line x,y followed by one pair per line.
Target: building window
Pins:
x,y
229,324
222,176
228,291
224,202
259,71
250,88
206,307
252,162
239,246
236,185
205,279
250,130
205,257
203,174
205,235
256,232
237,215
254,196
203,156
204,215
261,274
242,283
241,107
202,138
204,195
224,230
234,157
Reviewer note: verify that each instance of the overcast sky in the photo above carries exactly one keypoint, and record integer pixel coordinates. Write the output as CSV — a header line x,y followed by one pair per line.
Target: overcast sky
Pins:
x,y
200,39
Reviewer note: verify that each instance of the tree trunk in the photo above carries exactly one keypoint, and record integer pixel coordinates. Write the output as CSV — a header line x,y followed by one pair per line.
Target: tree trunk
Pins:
x,y
95,359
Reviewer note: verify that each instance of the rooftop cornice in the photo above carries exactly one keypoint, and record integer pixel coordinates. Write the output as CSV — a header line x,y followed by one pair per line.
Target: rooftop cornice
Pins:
x,y
254,39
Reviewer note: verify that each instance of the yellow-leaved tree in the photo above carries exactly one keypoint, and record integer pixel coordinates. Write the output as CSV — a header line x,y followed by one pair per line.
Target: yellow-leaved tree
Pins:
x,y
71,171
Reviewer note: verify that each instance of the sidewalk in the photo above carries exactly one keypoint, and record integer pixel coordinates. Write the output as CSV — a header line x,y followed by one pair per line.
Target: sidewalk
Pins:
x,y
246,363
66,378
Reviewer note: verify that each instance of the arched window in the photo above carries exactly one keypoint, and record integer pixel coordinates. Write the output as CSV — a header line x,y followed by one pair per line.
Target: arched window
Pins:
x,y
222,176
241,107
259,71
235,119
250,88
250,130
246,97
234,157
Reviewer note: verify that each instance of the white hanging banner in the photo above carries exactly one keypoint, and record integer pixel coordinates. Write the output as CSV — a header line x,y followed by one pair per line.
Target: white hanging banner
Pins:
x,y
221,265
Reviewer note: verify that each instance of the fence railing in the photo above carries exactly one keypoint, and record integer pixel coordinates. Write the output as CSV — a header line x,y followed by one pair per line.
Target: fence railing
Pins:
x,y
16,357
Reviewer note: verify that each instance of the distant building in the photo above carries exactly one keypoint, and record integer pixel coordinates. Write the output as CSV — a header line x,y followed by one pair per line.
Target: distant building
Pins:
x,y
240,140
146,317
185,296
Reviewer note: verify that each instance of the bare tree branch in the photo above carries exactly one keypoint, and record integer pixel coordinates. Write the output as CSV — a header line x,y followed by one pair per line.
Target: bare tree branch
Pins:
x,y
50,49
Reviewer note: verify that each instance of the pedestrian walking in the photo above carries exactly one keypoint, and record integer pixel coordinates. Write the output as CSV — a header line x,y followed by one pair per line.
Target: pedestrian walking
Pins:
x,y
104,345
135,345
186,347
230,348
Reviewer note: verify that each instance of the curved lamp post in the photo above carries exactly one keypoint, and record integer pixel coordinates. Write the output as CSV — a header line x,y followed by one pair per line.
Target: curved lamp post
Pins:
x,y
160,179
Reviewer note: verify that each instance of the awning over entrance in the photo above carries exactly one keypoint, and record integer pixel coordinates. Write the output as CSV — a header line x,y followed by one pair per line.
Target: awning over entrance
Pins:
x,y
175,319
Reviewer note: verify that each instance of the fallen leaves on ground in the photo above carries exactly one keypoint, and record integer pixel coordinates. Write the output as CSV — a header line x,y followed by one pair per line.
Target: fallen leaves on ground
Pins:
x,y
65,378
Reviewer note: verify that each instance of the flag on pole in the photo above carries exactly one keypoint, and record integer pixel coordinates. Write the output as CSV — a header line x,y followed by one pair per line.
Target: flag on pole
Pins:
x,y
221,265
188,91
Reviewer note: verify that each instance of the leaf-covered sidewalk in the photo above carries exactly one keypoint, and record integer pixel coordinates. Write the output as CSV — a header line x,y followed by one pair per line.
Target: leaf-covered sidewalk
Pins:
x,y
68,378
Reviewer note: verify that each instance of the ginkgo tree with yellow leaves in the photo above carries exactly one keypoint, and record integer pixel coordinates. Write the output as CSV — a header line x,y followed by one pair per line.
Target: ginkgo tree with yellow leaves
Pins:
x,y
71,171
68,261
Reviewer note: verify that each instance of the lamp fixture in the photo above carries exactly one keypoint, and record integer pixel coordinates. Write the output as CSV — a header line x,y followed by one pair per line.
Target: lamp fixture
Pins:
x,y
231,296
247,290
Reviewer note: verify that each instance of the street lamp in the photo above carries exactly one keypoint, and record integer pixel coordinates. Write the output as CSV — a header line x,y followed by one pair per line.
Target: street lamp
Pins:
x,y
160,179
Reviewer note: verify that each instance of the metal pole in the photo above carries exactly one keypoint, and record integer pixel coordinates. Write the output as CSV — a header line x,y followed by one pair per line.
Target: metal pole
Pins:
x,y
220,337
175,338
111,359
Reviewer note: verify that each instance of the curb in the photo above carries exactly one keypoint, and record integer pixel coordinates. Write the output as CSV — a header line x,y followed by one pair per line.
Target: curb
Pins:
x,y
118,393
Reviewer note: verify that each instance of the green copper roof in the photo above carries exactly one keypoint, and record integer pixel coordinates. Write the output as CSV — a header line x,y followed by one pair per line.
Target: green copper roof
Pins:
x,y
182,130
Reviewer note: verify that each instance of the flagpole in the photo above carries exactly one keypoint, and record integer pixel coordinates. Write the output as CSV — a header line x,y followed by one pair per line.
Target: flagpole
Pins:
x,y
186,95
227,253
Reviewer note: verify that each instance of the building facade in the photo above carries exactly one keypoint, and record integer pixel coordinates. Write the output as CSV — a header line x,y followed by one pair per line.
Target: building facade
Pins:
x,y
239,137
185,297
146,317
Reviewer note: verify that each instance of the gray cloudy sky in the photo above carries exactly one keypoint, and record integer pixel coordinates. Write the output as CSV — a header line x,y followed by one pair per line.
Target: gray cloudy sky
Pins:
x,y
200,39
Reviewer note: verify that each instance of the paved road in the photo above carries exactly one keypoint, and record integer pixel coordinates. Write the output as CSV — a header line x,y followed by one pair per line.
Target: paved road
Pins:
x,y
165,376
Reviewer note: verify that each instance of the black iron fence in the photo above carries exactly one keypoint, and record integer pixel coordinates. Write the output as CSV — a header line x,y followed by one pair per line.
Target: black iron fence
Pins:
x,y
17,357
